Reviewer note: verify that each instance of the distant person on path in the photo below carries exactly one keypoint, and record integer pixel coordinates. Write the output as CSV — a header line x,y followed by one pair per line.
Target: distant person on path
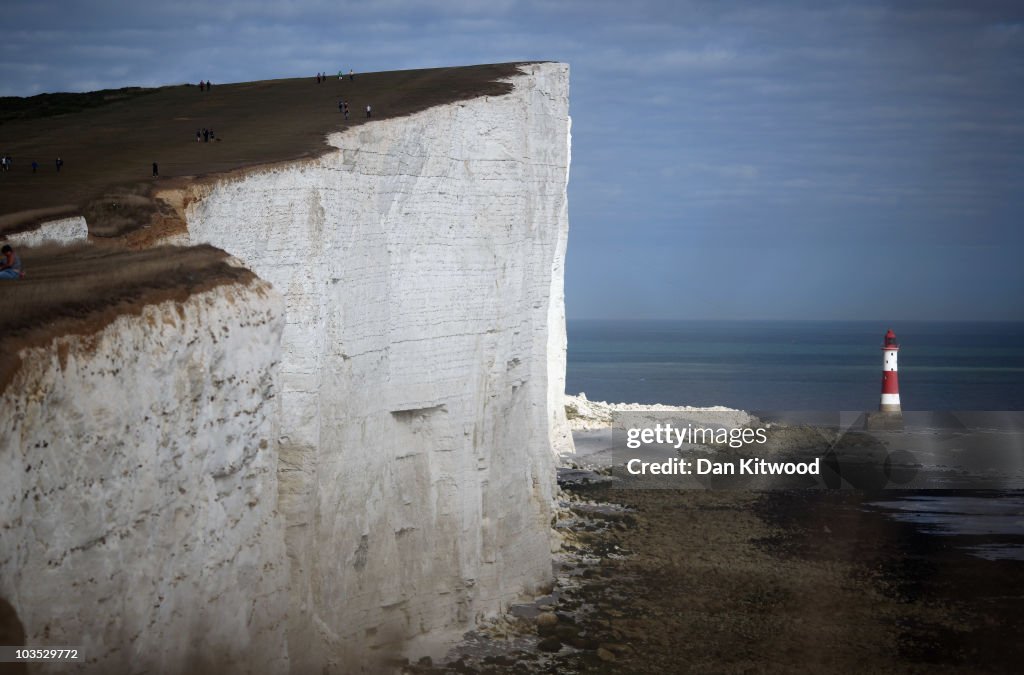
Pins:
x,y
212,138
209,85
345,110
206,135
369,111
202,85
351,75
60,163
156,171
340,75
35,165
199,135
318,78
10,264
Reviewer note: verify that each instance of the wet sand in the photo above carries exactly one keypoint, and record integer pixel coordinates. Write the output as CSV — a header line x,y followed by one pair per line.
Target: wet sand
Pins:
x,y
744,582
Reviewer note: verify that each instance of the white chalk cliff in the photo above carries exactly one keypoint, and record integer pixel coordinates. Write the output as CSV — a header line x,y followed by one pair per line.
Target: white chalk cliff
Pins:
x,y
421,262
350,459
138,498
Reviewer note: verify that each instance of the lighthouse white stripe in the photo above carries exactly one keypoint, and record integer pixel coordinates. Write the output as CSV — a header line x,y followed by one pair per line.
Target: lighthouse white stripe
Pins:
x,y
890,399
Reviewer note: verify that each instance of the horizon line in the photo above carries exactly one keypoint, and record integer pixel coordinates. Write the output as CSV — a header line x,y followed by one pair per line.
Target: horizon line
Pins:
x,y
734,320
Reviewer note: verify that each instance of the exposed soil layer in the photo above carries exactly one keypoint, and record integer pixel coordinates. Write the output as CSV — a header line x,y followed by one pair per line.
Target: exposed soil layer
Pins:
x,y
108,147
81,289
734,582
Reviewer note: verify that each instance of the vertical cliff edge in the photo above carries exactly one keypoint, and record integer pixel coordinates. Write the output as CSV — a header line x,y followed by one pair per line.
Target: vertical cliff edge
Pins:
x,y
365,463
424,361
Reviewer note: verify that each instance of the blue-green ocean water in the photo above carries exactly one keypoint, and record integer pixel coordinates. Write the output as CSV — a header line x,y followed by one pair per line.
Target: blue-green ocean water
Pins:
x,y
796,365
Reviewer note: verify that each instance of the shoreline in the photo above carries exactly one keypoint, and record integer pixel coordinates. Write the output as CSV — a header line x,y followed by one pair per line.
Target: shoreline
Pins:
x,y
714,581
662,581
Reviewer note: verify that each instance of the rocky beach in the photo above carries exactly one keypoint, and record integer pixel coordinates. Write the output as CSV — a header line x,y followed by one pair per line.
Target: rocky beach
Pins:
x,y
663,581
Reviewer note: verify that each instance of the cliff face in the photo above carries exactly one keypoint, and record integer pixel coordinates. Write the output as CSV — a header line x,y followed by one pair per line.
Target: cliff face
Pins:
x,y
423,365
139,496
355,458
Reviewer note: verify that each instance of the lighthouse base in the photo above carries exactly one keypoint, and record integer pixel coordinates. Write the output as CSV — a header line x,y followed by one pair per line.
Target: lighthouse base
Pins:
x,y
889,408
884,420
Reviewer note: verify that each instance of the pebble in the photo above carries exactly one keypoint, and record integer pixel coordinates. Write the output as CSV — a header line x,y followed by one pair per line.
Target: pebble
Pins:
x,y
547,619
584,643
550,645
566,632
604,654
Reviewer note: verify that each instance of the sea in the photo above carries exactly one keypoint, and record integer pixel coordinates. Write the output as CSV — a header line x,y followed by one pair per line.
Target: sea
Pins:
x,y
796,365
825,366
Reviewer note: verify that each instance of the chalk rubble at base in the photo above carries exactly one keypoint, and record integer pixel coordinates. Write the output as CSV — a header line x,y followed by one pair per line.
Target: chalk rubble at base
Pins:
x,y
586,415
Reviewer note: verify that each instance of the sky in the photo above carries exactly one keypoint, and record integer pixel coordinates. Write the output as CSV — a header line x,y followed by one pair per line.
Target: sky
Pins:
x,y
731,160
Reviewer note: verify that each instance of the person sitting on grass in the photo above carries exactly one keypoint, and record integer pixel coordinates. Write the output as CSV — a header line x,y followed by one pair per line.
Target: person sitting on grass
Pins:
x,y
10,264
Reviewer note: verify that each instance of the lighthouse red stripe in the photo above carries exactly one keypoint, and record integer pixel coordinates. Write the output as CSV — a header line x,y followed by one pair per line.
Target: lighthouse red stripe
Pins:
x,y
890,383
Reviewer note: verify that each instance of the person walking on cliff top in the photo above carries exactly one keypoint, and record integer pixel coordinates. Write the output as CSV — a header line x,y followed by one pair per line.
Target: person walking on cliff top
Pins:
x,y
156,170
60,163
351,75
10,264
318,78
369,110
202,85
345,109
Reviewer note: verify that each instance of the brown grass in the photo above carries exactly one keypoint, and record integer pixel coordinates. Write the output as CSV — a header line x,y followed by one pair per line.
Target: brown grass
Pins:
x,y
81,289
109,149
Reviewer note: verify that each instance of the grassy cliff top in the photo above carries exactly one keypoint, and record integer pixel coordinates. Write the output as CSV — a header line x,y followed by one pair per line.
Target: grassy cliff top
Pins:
x,y
109,140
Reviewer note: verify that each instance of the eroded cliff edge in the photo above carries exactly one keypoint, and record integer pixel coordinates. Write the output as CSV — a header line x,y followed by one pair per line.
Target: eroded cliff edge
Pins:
x,y
424,361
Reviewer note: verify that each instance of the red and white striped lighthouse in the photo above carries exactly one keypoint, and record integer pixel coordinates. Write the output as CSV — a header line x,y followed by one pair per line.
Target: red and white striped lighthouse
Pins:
x,y
890,383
